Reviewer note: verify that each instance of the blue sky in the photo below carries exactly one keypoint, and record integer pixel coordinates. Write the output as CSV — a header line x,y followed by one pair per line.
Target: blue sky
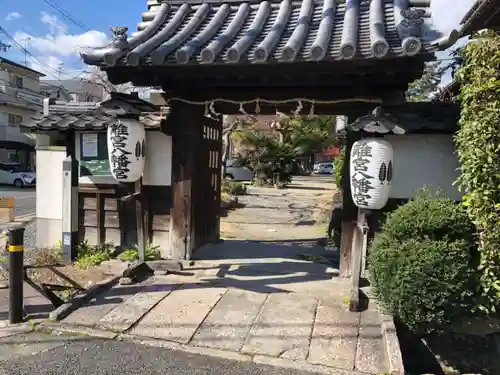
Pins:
x,y
55,41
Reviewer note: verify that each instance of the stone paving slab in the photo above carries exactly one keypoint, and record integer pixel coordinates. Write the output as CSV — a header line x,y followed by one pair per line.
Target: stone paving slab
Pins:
x,y
90,314
335,336
178,316
228,324
122,317
369,355
283,327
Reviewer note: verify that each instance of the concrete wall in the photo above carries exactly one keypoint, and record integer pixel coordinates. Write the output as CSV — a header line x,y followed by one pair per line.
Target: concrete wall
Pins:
x,y
49,196
424,159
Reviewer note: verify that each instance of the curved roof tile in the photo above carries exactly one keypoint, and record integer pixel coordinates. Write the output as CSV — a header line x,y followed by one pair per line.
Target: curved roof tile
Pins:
x,y
270,31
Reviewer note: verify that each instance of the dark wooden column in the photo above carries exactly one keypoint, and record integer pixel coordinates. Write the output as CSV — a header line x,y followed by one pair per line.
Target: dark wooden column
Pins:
x,y
184,124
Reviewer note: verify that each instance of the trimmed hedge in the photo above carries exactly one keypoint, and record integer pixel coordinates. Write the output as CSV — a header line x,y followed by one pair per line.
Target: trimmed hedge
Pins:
x,y
422,263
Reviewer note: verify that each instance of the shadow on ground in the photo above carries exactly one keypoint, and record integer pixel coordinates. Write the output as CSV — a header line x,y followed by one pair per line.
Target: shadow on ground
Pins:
x,y
465,354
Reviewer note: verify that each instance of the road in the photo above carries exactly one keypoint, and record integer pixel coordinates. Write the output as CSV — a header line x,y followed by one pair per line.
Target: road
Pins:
x,y
25,199
39,353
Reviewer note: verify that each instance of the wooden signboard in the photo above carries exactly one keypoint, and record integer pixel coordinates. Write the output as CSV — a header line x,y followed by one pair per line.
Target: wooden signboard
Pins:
x,y
94,155
7,202
6,209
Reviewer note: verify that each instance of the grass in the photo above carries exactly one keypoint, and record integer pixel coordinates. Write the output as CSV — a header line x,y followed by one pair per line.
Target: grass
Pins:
x,y
152,252
91,256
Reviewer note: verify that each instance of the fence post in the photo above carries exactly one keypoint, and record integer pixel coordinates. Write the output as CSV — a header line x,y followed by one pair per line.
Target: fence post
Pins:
x,y
16,274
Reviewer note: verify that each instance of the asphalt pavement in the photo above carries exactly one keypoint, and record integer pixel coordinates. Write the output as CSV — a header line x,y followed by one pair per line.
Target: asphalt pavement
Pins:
x,y
40,353
25,199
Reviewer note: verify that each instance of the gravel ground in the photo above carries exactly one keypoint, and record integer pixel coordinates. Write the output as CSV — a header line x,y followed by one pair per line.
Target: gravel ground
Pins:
x,y
36,353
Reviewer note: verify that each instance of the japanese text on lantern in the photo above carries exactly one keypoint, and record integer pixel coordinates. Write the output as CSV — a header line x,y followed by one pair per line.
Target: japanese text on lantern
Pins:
x,y
119,154
361,180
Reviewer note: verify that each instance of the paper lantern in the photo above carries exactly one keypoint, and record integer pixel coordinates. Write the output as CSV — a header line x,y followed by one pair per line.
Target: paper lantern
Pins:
x,y
371,170
126,149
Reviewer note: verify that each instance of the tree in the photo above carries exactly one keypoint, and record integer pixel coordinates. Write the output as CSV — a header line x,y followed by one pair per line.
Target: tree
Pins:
x,y
271,153
422,89
100,78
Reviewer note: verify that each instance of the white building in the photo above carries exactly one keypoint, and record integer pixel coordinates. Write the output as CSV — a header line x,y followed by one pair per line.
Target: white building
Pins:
x,y
79,90
20,99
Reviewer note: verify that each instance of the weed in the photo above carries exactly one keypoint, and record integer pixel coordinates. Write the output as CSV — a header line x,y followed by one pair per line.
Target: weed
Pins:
x,y
152,252
91,256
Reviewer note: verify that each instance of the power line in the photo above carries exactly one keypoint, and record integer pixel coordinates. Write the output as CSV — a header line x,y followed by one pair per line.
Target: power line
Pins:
x,y
67,15
27,53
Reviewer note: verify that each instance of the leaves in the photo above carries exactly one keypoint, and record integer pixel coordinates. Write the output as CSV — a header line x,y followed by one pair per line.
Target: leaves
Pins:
x,y
478,145
270,152
421,89
422,263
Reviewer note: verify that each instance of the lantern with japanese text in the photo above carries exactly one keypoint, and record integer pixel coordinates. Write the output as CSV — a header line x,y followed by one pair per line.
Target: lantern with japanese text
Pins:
x,y
371,170
126,149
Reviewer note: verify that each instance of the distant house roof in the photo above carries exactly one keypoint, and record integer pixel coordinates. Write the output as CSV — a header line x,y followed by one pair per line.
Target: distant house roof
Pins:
x,y
484,14
218,32
61,116
5,61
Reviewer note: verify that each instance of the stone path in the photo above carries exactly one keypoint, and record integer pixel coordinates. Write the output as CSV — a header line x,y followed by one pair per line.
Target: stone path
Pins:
x,y
255,297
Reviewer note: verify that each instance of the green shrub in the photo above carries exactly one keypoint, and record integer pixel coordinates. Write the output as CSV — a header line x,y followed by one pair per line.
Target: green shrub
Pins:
x,y
234,187
478,144
338,166
152,252
91,256
422,264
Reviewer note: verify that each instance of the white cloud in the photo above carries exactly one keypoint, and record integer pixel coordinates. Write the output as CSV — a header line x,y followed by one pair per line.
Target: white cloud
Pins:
x,y
12,16
58,41
57,52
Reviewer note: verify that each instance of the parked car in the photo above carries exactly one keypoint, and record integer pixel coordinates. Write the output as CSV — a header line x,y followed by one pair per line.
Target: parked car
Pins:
x,y
323,168
16,174
237,172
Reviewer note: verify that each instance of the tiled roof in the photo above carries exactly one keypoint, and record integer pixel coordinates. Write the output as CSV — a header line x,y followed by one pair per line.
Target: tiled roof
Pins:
x,y
95,116
97,120
410,117
484,14
216,32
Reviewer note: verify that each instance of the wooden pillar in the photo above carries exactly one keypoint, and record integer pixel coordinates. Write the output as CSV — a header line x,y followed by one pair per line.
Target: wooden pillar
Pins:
x,y
183,124
349,209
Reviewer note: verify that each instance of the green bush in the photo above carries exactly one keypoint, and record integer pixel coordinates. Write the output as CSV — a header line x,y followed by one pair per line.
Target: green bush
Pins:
x,y
338,166
234,187
423,263
152,252
91,256
478,144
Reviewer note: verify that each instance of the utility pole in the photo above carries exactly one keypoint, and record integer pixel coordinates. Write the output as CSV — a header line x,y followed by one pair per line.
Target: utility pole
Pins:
x,y
59,71
26,40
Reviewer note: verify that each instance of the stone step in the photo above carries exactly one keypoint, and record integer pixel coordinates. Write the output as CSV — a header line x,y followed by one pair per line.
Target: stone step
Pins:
x,y
125,315
178,316
90,314
283,327
228,324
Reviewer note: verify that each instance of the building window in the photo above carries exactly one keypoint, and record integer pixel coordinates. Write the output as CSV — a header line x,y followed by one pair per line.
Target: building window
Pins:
x,y
15,120
17,81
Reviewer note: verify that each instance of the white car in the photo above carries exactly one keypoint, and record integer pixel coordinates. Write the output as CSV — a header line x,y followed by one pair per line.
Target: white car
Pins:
x,y
323,168
17,175
237,172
